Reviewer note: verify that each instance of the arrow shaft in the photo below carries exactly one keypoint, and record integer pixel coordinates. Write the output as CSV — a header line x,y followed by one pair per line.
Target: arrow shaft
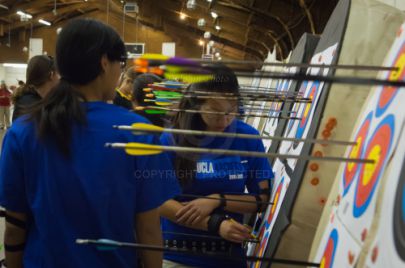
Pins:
x,y
255,241
219,113
194,253
241,153
227,199
327,79
232,135
310,65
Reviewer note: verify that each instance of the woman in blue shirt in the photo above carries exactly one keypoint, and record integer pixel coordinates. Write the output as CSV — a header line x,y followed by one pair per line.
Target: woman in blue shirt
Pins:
x,y
187,221
59,183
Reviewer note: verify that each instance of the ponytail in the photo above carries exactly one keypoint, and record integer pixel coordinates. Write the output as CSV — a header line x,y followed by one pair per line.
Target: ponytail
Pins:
x,y
55,114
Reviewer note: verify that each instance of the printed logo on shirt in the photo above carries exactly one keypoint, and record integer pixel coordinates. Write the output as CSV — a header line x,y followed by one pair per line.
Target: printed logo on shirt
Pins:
x,y
227,168
205,167
236,177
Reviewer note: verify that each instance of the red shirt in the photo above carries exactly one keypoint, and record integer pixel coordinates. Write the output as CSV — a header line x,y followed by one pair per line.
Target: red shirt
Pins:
x,y
5,97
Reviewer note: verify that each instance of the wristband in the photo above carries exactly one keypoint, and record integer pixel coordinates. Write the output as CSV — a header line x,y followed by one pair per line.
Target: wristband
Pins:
x,y
14,248
215,221
222,203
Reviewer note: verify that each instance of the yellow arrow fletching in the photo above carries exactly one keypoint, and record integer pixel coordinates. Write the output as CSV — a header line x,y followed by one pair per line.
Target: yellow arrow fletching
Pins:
x,y
146,126
151,56
147,90
135,148
158,103
189,78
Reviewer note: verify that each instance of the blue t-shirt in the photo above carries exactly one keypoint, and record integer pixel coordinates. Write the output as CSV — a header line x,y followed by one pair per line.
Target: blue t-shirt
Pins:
x,y
94,194
219,174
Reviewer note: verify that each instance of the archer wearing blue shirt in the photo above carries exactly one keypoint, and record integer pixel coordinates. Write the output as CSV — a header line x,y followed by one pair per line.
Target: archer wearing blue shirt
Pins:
x,y
207,225
59,183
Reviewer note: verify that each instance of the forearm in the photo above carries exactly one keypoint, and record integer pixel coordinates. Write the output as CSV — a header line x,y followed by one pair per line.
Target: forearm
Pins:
x,y
245,207
14,236
169,209
148,232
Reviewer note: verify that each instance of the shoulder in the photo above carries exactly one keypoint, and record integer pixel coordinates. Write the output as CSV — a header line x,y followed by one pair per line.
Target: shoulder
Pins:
x,y
22,129
244,128
28,98
113,114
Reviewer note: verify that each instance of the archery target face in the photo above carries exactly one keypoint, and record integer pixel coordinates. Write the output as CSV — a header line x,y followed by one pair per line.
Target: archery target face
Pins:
x,y
351,169
337,248
281,183
330,250
399,216
388,93
387,248
306,112
296,108
378,148
271,124
269,222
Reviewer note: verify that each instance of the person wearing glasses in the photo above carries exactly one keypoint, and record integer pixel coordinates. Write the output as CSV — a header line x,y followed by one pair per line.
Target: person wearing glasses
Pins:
x,y
58,181
41,77
213,225
123,95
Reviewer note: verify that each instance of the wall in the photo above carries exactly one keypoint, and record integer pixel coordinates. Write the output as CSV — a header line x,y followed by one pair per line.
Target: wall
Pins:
x,y
186,46
400,4
11,75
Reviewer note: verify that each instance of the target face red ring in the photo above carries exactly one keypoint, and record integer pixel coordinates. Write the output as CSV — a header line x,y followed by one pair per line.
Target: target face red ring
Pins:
x,y
259,249
351,169
307,110
291,122
330,250
378,148
387,94
399,216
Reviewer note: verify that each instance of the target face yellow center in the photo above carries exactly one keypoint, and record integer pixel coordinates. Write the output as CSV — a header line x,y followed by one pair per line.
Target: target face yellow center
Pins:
x,y
369,169
400,64
354,153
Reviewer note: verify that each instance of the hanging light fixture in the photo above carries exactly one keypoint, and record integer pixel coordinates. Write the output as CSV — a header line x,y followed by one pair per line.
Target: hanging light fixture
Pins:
x,y
191,4
183,16
201,23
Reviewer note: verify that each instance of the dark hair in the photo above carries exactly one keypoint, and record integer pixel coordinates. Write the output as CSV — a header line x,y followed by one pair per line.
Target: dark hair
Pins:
x,y
39,70
142,81
223,81
79,49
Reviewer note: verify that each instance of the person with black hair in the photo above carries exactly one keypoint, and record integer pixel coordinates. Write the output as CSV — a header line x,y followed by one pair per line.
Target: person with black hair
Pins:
x,y
138,97
220,176
58,181
41,77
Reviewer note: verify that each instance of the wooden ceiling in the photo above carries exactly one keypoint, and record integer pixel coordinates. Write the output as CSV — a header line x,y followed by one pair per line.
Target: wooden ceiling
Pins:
x,y
249,28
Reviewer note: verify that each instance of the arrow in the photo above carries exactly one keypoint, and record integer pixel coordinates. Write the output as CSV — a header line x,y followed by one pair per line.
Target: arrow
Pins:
x,y
327,79
139,149
157,102
254,241
142,127
309,65
227,199
106,244
139,108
